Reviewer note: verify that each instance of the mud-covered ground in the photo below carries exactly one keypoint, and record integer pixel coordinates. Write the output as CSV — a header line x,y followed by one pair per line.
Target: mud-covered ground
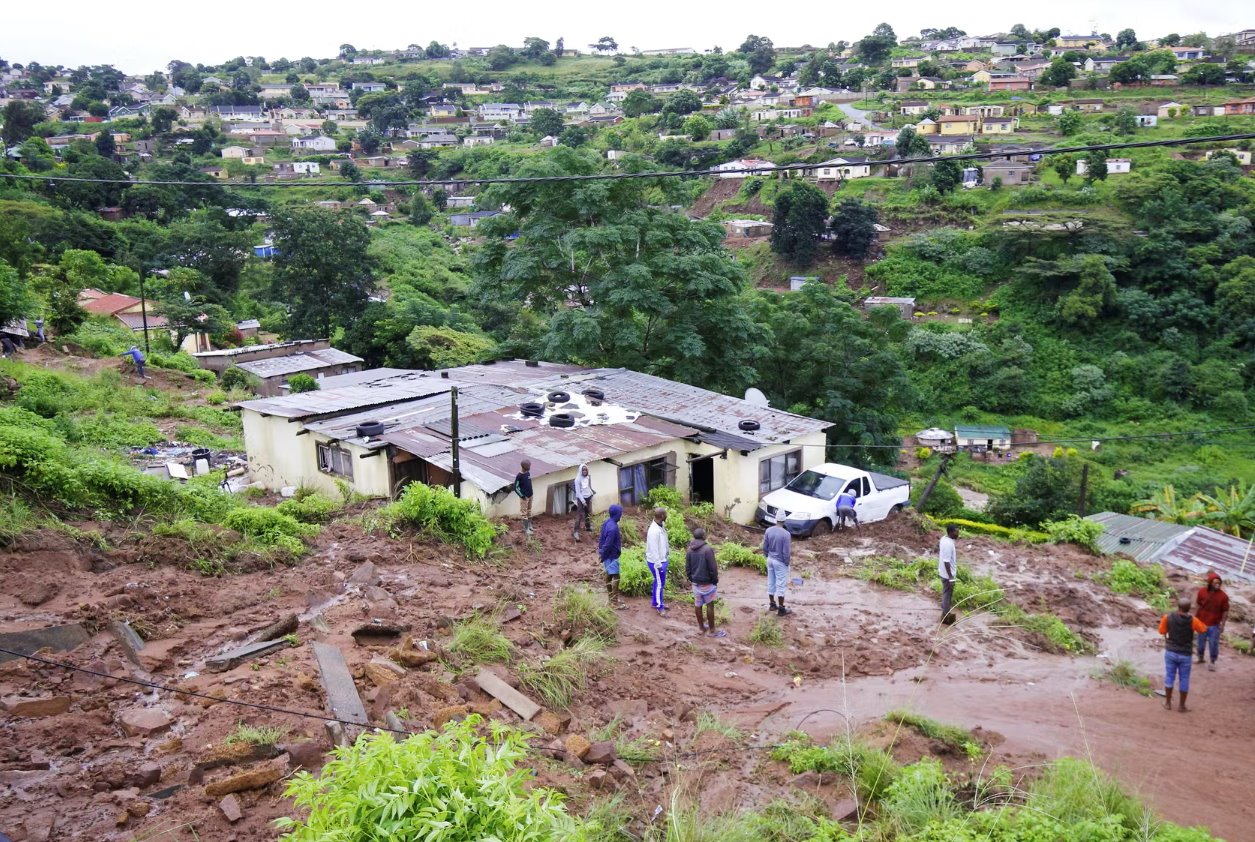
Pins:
x,y
105,760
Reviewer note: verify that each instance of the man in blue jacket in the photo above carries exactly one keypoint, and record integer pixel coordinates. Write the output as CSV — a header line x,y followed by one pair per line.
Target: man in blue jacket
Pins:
x,y
609,548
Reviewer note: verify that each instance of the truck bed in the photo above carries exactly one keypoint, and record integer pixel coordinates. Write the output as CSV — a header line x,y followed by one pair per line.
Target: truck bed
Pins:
x,y
884,482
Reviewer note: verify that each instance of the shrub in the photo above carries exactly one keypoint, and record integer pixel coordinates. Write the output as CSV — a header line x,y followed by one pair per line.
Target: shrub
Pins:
x,y
630,532
299,383
200,437
665,496
767,632
16,519
918,796
993,530
635,578
951,735
479,640
238,378
102,337
732,554
1050,627
446,786
678,534
310,508
1074,530
943,502
1128,577
896,574
585,613
1074,791
449,518
1125,674
872,770
271,528
263,735
559,678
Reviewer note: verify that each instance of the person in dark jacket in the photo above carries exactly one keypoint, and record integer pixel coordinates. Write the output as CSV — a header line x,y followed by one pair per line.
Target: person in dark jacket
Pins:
x,y
703,571
609,548
1213,610
1178,630
523,488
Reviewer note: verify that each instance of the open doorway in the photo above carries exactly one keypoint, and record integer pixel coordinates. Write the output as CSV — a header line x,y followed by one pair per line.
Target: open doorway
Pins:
x,y
702,480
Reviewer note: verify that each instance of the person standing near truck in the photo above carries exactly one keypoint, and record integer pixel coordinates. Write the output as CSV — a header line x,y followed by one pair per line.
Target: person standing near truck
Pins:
x,y
947,569
1213,610
778,548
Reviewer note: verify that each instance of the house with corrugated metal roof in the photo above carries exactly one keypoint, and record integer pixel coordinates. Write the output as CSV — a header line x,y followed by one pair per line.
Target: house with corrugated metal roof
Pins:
x,y
274,363
380,430
1198,549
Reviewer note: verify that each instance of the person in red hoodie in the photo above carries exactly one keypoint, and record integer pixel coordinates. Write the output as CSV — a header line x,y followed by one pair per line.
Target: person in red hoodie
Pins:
x,y
1213,610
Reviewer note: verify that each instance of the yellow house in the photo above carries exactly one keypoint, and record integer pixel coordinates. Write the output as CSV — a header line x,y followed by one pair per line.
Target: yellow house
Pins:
x,y
926,126
997,125
958,124
377,431
983,76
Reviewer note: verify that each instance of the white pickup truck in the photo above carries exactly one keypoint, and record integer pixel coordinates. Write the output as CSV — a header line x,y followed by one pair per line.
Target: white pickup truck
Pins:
x,y
808,504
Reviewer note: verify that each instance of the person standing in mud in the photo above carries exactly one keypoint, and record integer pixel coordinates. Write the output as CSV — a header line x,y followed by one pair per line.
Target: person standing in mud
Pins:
x,y
523,488
1178,630
947,568
583,501
609,548
1213,610
778,548
703,572
657,550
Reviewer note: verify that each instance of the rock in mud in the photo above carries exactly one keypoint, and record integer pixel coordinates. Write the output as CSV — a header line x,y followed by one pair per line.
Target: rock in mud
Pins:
x,y
144,722
601,754
365,574
601,780
382,673
447,714
577,745
255,778
548,722
307,755
230,807
33,708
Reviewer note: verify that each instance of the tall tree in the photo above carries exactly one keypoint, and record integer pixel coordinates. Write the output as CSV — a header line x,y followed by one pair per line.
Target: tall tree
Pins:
x,y
759,52
799,217
1059,73
1095,166
1126,39
546,122
321,269
875,48
911,144
946,176
854,228
20,118
534,48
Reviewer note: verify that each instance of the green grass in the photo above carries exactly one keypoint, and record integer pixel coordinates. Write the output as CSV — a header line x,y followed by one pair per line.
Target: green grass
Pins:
x,y
585,613
871,770
953,736
1124,674
732,554
638,752
558,679
708,722
767,632
1240,645
262,735
1127,577
478,640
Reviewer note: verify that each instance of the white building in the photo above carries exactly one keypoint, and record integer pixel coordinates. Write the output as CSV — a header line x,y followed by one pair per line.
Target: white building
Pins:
x,y
842,169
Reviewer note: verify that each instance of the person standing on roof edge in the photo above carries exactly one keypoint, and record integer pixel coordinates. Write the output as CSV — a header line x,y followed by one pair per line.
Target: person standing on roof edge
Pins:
x,y
1178,630
947,569
1213,610
583,501
523,488
609,548
703,572
657,549
778,548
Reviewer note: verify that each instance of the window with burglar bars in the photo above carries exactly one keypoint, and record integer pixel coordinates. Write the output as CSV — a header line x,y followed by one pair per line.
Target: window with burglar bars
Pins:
x,y
335,460
778,471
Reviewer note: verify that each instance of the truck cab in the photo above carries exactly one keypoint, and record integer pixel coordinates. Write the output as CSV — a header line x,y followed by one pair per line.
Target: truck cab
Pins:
x,y
808,504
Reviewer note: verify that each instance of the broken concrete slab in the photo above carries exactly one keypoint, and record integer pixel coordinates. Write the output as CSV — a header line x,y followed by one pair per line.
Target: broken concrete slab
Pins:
x,y
232,659
346,705
276,630
144,722
511,698
132,644
365,575
55,638
37,707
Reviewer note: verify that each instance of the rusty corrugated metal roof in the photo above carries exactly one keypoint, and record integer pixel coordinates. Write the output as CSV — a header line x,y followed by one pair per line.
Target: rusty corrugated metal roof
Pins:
x,y
1137,537
1197,549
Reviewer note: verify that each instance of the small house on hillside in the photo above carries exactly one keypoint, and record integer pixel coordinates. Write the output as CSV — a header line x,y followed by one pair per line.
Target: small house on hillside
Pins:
x,y
748,228
936,438
904,306
1011,172
982,438
382,430
273,364
841,169
1115,166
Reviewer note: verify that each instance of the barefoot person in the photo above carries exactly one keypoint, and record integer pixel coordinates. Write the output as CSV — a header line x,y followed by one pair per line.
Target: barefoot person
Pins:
x,y
657,549
583,501
703,571
778,548
1178,630
947,567
1213,610
609,548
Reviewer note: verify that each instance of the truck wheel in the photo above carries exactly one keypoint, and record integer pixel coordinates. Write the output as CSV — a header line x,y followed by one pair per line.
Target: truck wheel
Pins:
x,y
898,508
822,527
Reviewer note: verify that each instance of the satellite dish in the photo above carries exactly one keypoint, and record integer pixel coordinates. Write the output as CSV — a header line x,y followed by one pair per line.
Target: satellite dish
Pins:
x,y
756,397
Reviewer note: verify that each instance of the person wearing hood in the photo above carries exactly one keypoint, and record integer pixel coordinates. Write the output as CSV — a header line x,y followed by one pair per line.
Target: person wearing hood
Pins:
x,y
703,572
609,548
583,501
1213,610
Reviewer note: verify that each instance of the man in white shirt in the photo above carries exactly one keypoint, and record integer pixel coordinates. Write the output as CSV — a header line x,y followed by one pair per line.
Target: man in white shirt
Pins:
x,y
657,549
947,568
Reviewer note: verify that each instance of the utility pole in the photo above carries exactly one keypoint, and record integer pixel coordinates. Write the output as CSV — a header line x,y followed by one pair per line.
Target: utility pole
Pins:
x,y
1080,504
143,309
453,431
941,469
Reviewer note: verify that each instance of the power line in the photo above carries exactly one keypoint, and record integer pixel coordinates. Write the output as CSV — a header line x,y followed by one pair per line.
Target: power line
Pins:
x,y
1078,439
621,176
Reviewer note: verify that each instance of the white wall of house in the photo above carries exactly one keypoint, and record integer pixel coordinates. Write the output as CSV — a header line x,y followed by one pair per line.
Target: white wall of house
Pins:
x,y
278,457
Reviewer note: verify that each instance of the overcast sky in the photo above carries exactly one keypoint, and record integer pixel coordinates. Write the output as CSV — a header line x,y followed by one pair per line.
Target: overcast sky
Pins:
x,y
142,38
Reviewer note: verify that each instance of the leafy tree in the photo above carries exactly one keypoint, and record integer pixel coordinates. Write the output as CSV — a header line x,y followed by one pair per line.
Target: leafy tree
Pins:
x,y
322,269
298,93
946,176
350,171
854,228
605,44
573,136
759,52
1059,73
501,57
640,102
59,297
534,48
684,102
1069,122
911,144
697,127
1205,74
179,297
1095,166
437,50
875,48
105,144
1126,39
1170,40
299,383
1064,166
559,48
20,119
419,161
799,216
546,122
16,301
90,195
420,209
863,397
162,119
1048,490
1125,122
37,155
347,51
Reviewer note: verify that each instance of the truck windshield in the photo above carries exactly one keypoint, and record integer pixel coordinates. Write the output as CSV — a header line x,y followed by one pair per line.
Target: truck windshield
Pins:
x,y
816,485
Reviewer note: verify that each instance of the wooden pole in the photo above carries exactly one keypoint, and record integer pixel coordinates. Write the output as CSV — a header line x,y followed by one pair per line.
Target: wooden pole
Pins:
x,y
941,469
453,431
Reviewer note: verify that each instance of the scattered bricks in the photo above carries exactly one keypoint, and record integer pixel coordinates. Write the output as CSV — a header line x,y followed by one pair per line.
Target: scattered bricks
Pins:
x,y
230,807
381,671
578,745
33,708
601,754
411,655
548,722
255,778
144,722
446,714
